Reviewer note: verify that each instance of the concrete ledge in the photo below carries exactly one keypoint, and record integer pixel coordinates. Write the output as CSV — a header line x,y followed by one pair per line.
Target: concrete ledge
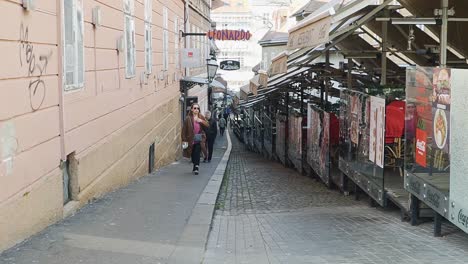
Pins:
x,y
192,244
38,207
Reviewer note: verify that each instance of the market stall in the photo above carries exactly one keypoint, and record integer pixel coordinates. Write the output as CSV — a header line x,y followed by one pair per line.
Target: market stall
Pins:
x,y
268,135
295,140
322,145
280,146
258,131
437,97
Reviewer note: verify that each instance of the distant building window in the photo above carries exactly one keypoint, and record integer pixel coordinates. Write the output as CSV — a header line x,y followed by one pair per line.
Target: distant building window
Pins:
x,y
165,41
148,37
176,42
74,47
130,50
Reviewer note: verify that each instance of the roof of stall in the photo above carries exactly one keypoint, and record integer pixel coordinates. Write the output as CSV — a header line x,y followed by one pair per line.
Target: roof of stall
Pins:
x,y
422,40
363,13
457,39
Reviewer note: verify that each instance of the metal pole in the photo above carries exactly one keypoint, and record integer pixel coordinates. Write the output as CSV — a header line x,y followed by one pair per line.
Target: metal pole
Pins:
x,y
327,66
350,76
383,76
286,131
322,89
443,35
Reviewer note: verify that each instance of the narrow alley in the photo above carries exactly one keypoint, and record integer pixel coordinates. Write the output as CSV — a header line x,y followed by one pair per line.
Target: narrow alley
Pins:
x,y
234,131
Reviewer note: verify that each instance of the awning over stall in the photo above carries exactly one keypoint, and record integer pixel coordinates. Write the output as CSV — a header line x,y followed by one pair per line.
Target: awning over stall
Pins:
x,y
456,38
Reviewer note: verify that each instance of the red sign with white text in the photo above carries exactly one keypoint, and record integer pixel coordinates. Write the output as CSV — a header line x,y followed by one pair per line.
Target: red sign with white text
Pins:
x,y
421,148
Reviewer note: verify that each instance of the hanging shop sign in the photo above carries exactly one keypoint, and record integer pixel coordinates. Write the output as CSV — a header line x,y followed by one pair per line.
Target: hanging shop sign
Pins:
x,y
279,64
310,34
218,90
229,65
227,34
191,58
263,78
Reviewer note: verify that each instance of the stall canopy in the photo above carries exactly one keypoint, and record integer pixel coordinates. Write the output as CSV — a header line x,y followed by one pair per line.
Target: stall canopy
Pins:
x,y
457,39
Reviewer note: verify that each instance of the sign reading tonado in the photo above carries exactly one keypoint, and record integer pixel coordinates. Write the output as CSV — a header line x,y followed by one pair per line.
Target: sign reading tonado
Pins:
x,y
227,34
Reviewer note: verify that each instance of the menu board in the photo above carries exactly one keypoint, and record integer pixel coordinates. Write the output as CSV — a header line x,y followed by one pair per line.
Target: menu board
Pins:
x,y
427,119
441,110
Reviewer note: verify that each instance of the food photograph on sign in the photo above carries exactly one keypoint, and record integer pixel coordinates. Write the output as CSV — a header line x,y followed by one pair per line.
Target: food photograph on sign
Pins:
x,y
440,128
441,138
441,88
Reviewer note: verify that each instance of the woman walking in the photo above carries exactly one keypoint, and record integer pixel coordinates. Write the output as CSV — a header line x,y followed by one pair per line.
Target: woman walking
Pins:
x,y
193,134
211,133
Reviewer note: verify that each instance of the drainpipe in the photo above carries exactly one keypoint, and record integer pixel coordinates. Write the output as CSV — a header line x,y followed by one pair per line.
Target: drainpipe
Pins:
x,y
443,35
186,21
63,156
286,131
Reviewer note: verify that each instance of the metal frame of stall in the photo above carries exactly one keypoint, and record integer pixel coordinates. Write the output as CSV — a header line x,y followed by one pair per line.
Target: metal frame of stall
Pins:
x,y
422,189
384,51
441,199
420,58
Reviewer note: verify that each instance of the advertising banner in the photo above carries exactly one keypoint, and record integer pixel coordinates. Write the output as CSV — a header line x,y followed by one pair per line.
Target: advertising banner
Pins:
x,y
377,131
421,147
355,118
324,150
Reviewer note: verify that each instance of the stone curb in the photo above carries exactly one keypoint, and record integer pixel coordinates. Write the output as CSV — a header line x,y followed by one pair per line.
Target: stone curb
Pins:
x,y
192,243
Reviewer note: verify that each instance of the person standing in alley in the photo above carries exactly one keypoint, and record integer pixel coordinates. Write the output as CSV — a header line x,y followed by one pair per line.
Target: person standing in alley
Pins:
x,y
222,125
193,134
211,132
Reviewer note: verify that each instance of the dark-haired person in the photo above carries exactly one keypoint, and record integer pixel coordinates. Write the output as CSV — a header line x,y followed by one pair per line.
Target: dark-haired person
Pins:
x,y
193,134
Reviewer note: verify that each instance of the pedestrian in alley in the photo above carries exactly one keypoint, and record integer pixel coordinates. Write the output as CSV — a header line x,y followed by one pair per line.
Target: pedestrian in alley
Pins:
x,y
193,134
211,133
222,125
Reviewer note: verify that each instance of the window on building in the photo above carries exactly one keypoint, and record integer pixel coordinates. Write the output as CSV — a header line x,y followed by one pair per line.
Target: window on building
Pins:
x,y
176,42
148,37
130,50
74,47
165,41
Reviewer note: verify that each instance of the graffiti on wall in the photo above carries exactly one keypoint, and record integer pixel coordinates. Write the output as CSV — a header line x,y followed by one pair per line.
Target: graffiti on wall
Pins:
x,y
36,65
8,148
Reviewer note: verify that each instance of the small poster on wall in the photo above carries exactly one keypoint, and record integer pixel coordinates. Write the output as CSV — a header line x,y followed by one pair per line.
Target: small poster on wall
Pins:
x,y
377,131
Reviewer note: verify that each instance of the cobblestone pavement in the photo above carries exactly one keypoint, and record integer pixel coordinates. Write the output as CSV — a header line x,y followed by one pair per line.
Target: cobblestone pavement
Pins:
x,y
271,214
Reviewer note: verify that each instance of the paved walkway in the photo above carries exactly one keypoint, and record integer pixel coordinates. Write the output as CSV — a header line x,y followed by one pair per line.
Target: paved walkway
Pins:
x,y
271,214
161,218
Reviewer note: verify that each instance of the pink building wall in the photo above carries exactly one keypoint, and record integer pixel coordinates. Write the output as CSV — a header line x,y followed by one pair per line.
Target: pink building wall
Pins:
x,y
34,108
